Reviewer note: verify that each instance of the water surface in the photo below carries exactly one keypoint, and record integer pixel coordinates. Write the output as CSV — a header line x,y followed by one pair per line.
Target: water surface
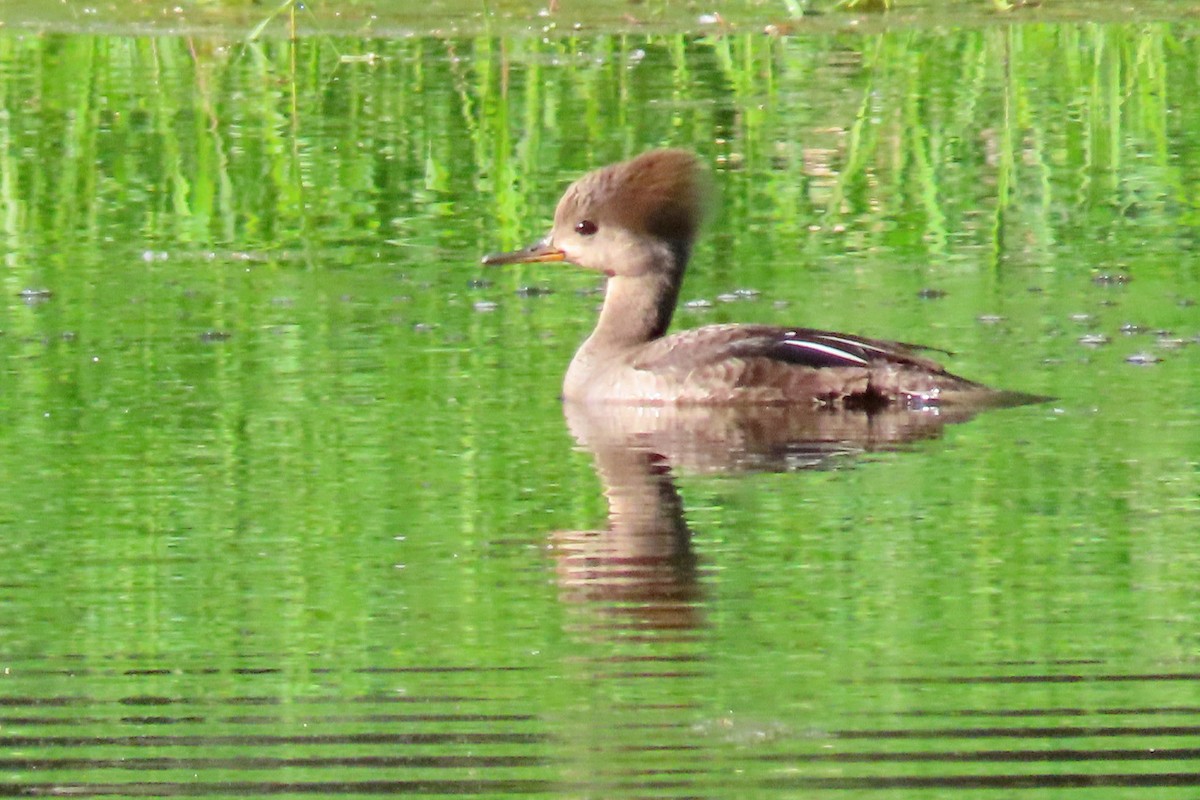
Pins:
x,y
291,506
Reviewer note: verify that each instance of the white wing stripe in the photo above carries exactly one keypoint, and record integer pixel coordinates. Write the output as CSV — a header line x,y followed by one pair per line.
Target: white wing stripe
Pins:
x,y
863,345
825,349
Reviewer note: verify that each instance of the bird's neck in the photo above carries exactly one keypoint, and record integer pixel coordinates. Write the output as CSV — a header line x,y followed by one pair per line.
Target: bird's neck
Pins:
x,y
638,309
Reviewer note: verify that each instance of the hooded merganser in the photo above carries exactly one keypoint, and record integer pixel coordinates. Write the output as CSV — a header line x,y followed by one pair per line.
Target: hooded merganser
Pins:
x,y
635,221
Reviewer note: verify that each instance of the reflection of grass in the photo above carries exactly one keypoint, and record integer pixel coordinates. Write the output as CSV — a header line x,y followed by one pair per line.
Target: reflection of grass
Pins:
x,y
1011,125
794,8
886,5
867,5
239,18
286,5
359,193
913,141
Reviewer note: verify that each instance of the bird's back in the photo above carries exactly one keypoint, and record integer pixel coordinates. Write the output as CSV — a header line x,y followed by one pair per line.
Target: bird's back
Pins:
x,y
723,364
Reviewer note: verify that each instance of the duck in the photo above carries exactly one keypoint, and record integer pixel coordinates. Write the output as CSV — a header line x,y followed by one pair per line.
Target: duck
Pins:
x,y
636,222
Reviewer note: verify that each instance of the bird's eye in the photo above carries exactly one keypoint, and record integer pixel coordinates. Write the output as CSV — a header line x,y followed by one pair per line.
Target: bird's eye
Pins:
x,y
586,228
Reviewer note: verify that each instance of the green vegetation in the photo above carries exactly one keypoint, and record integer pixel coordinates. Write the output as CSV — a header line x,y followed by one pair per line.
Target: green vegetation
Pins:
x,y
981,162
268,418
440,18
257,184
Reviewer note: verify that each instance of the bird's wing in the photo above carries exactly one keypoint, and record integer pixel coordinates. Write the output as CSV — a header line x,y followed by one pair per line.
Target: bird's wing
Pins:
x,y
806,347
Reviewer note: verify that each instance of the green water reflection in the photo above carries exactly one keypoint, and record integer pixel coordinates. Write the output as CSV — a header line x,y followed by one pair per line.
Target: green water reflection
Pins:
x,y
288,491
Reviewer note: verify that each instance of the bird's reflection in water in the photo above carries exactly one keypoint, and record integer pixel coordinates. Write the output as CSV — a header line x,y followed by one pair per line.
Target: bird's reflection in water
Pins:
x,y
641,571
641,568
